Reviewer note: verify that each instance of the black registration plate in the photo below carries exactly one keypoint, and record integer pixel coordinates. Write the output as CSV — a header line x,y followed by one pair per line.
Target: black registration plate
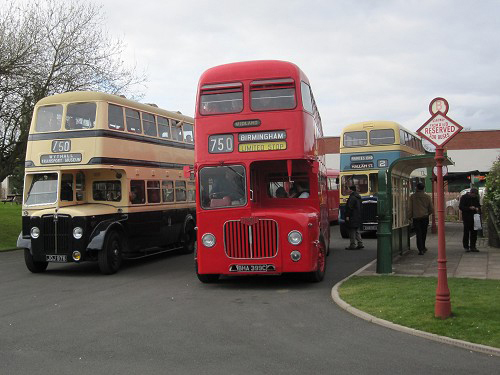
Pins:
x,y
252,268
56,258
370,227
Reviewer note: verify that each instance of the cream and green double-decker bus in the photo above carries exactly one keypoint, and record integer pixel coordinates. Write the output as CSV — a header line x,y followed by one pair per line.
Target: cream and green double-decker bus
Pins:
x,y
104,181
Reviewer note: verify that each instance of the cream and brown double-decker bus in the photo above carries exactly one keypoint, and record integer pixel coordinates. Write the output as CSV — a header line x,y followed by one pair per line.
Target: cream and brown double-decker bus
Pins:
x,y
104,181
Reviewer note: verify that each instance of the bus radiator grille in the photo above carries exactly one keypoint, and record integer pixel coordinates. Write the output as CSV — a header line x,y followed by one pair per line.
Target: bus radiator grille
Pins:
x,y
61,226
251,241
369,212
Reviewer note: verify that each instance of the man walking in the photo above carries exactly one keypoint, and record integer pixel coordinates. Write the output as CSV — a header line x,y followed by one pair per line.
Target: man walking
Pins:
x,y
353,219
469,205
420,207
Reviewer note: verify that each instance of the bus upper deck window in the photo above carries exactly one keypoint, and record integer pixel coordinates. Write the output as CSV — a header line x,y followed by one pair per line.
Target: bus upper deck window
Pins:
x,y
358,138
49,118
80,116
221,98
149,124
273,94
382,137
133,121
176,130
164,128
115,117
188,133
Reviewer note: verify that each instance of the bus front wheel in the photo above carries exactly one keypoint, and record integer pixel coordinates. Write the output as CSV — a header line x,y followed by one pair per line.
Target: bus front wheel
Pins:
x,y
110,257
319,274
189,239
33,266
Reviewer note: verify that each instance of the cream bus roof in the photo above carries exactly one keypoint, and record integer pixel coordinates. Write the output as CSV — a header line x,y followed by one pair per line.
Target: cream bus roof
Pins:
x,y
85,96
367,125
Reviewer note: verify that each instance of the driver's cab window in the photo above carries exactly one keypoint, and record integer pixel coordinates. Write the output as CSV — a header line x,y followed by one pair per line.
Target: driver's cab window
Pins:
x,y
66,187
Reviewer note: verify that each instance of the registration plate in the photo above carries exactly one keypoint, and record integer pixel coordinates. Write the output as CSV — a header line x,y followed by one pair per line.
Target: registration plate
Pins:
x,y
370,227
252,268
56,258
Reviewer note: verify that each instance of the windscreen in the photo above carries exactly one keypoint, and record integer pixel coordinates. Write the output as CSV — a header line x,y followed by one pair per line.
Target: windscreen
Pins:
x,y
223,186
43,189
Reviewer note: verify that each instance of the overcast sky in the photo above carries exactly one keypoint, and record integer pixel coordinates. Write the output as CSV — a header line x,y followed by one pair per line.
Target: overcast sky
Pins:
x,y
365,59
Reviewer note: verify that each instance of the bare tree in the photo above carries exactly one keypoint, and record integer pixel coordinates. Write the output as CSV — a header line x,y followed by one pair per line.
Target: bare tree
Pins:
x,y
51,47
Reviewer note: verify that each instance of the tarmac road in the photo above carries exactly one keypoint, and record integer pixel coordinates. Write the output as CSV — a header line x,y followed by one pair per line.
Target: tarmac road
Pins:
x,y
155,317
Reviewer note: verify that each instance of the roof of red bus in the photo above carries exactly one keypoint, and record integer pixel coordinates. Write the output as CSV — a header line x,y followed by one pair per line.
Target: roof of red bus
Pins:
x,y
260,69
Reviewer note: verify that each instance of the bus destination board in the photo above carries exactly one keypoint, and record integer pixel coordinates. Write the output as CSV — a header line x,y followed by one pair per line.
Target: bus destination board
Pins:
x,y
60,158
262,146
278,135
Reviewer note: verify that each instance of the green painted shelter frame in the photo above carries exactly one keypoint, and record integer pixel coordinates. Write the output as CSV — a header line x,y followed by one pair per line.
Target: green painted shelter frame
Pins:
x,y
393,241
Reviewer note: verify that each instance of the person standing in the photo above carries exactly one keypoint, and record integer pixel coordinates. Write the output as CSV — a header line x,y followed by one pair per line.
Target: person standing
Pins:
x,y
469,205
419,209
353,219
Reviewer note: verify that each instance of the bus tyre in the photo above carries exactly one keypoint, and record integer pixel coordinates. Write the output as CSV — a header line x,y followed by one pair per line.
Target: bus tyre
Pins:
x,y
319,274
110,257
35,267
344,233
189,239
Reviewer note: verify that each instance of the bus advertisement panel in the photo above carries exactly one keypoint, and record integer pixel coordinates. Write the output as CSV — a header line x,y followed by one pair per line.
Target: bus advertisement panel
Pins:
x,y
104,181
261,180
366,148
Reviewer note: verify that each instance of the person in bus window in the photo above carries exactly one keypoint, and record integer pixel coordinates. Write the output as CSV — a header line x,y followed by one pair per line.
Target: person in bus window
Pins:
x,y
302,189
353,219
281,192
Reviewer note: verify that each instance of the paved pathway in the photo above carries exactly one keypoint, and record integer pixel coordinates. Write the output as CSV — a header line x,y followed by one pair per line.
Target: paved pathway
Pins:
x,y
482,265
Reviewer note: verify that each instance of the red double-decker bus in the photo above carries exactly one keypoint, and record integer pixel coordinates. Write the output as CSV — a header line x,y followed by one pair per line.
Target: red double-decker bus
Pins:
x,y
262,203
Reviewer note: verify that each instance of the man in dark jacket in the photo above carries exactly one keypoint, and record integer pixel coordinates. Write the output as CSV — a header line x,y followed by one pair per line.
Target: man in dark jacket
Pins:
x,y
419,209
469,205
353,219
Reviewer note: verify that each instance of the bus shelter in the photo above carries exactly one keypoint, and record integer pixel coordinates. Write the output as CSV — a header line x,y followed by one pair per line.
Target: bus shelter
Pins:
x,y
393,233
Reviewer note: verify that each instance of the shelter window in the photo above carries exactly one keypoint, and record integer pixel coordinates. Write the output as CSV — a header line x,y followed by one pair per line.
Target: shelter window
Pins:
x,y
180,191
80,116
115,117
133,121
149,124
267,95
382,137
359,180
108,191
167,191
49,118
164,128
358,138
221,98
153,188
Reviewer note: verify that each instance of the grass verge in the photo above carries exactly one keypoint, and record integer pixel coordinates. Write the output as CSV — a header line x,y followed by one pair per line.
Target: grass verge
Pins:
x,y
409,301
10,225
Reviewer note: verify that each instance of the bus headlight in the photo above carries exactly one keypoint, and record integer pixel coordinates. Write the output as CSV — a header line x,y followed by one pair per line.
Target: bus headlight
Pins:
x,y
76,256
77,233
35,232
208,240
295,237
